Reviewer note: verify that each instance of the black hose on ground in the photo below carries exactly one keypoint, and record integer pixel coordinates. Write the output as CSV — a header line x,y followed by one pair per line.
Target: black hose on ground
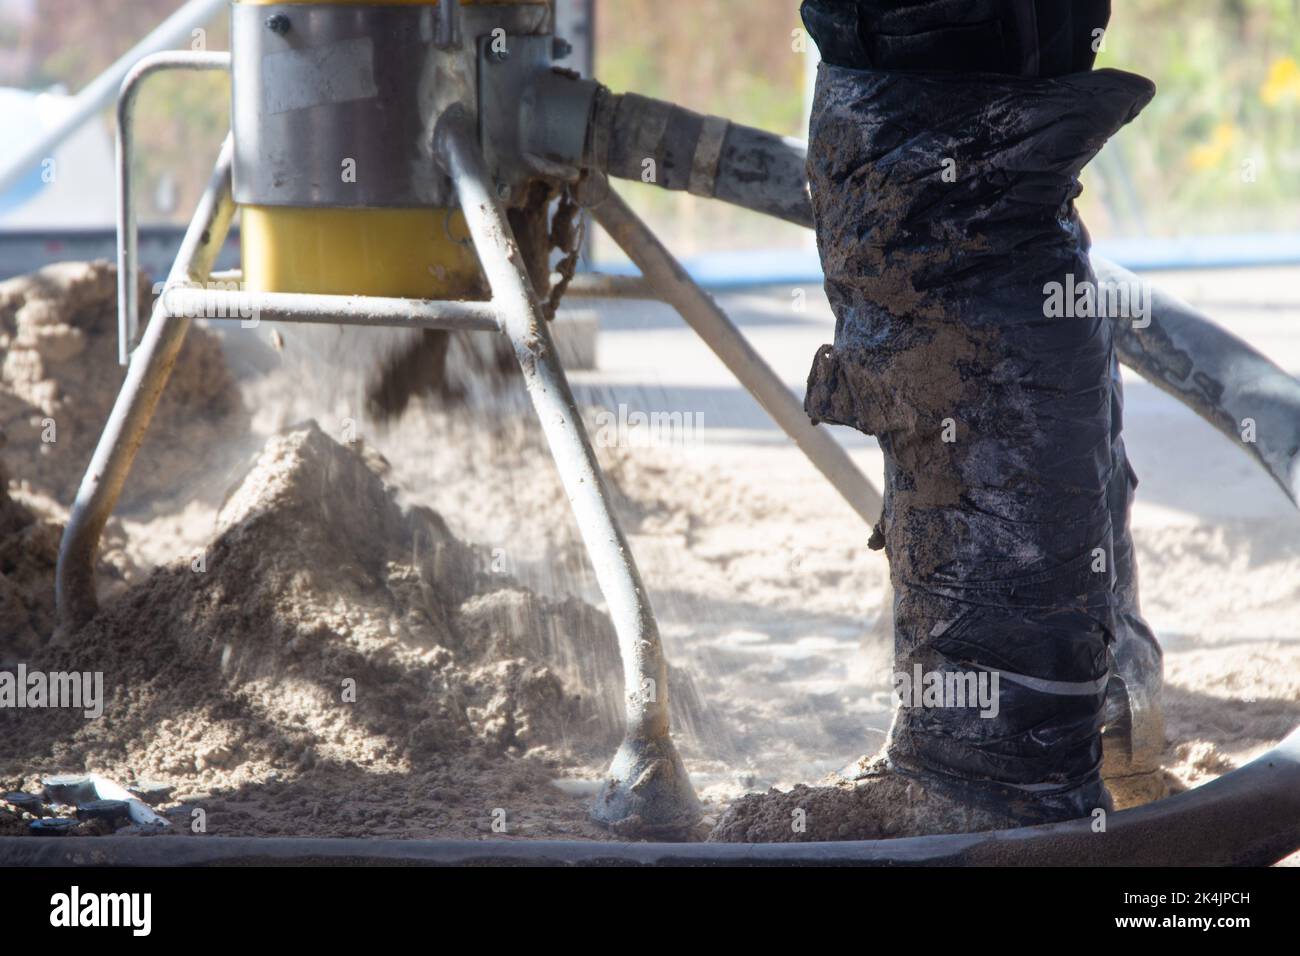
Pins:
x,y
1249,817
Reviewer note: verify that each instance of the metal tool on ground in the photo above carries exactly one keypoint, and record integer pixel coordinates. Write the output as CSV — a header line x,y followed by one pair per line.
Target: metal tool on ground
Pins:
x,y
103,798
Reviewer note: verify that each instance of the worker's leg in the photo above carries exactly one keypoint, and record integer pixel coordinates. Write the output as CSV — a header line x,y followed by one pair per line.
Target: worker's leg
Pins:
x,y
955,264
945,215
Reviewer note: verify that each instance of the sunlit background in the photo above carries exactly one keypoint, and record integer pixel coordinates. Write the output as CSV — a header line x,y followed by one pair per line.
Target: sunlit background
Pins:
x,y
1215,156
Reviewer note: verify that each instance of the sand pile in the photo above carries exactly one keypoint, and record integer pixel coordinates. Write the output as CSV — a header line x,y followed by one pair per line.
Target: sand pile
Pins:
x,y
29,549
59,378
332,664
882,806
30,529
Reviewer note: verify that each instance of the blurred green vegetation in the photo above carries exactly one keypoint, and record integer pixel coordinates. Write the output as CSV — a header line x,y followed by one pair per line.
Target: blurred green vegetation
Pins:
x,y
1218,149
732,58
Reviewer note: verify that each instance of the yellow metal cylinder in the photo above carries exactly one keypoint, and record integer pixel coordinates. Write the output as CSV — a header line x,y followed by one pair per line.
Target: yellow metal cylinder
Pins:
x,y
416,253
391,252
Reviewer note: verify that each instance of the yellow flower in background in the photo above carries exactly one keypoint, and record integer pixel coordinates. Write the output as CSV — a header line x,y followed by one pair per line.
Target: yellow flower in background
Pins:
x,y
1283,82
1215,150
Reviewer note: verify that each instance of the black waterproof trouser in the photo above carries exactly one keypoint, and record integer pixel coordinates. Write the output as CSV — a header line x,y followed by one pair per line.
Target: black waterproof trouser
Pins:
x,y
945,218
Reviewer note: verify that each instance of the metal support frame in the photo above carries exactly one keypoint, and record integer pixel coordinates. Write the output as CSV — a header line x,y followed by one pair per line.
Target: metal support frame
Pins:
x,y
146,377
647,783
647,791
300,308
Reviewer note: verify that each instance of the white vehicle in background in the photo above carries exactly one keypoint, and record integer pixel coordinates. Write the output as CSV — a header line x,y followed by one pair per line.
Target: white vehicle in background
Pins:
x,y
73,187
63,207
57,172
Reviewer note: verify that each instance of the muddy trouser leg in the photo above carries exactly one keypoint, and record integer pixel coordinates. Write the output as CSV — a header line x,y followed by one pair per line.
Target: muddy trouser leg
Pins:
x,y
966,342
996,428
999,537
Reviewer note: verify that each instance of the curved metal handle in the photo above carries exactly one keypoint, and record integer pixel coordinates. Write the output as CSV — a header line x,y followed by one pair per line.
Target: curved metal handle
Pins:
x,y
128,238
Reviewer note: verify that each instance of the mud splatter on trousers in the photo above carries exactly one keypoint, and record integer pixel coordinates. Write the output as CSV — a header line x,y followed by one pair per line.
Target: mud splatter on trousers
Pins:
x,y
945,218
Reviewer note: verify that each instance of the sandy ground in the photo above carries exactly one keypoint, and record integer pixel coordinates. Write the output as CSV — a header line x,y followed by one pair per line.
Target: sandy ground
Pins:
x,y
766,592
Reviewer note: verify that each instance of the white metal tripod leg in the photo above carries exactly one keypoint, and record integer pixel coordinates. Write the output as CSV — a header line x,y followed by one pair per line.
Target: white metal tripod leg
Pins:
x,y
647,789
671,283
151,366
128,268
